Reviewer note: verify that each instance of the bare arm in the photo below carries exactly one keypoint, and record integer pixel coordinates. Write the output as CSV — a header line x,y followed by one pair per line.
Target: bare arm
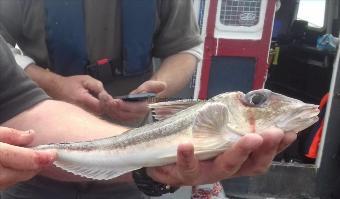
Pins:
x,y
175,71
55,121
45,79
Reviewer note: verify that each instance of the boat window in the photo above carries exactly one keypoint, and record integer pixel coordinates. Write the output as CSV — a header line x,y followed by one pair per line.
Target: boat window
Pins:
x,y
312,11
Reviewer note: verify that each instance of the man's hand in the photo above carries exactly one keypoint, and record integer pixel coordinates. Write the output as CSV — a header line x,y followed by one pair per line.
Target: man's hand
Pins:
x,y
16,163
81,90
89,93
251,155
130,112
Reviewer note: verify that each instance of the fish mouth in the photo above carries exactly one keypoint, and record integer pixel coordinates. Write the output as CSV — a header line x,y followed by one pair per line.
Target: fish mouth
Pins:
x,y
300,118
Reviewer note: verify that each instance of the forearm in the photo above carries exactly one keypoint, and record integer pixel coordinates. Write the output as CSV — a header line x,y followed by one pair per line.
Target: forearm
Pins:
x,y
46,80
176,71
55,121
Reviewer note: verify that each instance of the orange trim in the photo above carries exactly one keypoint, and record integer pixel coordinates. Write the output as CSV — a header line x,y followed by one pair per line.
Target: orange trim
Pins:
x,y
314,147
323,101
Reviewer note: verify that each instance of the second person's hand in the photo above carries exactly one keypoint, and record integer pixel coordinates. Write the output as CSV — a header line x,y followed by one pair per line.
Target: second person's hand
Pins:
x,y
17,163
130,112
81,90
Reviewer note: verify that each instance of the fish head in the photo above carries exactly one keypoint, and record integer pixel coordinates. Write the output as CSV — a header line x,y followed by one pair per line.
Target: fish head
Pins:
x,y
260,109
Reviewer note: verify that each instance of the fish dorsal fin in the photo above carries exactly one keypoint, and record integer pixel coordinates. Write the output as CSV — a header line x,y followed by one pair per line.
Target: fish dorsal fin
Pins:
x,y
93,172
163,110
211,118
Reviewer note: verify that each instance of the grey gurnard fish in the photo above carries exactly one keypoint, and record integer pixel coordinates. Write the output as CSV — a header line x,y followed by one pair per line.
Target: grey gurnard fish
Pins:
x,y
211,126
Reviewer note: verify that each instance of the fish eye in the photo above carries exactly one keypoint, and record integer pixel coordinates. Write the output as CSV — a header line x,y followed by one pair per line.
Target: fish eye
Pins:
x,y
255,98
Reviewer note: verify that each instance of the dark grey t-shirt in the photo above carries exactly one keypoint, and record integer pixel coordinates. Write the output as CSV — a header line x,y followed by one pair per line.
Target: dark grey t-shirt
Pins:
x,y
17,92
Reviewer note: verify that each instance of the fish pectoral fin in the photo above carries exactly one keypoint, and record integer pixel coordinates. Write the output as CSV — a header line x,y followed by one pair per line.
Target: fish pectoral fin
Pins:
x,y
93,172
207,154
211,118
201,155
163,110
168,159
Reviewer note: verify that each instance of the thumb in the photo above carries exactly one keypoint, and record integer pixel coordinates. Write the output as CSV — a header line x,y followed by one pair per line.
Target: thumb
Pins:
x,y
93,86
16,137
152,86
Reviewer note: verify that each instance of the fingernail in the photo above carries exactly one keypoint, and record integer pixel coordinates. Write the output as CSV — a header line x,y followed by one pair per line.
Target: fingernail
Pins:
x,y
45,158
29,131
186,154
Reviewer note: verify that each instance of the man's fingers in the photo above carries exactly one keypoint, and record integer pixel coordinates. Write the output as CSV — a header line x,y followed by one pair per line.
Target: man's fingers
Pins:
x,y
91,103
105,98
90,99
261,159
155,86
109,106
187,164
17,163
112,108
136,107
16,137
93,86
231,160
150,86
185,172
120,110
9,177
23,158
